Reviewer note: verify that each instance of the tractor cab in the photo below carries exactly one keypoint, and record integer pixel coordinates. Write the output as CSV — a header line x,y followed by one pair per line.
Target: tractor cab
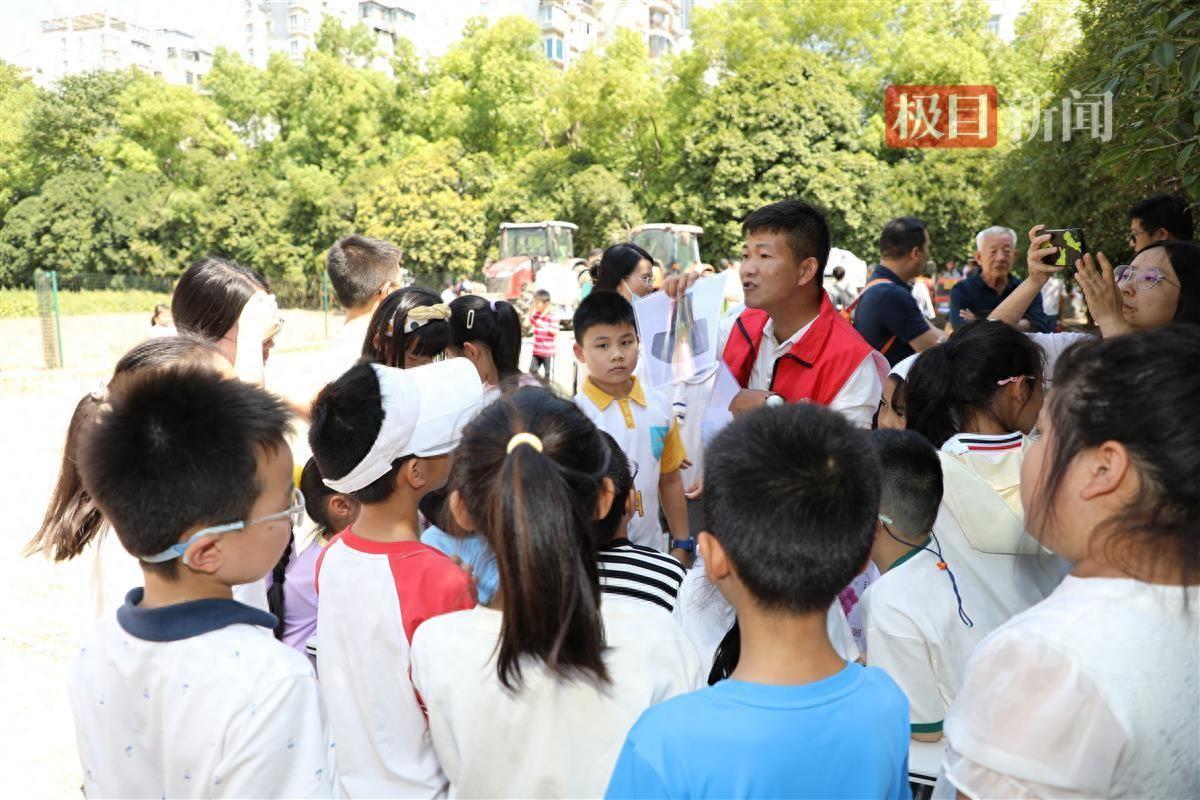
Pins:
x,y
670,244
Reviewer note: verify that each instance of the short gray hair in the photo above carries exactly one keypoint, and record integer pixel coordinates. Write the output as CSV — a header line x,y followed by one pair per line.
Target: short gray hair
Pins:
x,y
992,231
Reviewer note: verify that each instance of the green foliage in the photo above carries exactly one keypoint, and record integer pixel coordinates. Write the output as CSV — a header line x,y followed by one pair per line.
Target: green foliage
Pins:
x,y
23,302
119,173
425,204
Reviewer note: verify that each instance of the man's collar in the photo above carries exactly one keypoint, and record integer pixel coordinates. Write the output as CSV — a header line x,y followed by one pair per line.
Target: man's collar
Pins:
x,y
807,343
886,272
603,399
185,620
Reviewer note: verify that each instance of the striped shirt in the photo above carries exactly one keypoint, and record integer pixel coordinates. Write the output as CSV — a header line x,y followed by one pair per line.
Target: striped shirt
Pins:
x,y
545,331
642,573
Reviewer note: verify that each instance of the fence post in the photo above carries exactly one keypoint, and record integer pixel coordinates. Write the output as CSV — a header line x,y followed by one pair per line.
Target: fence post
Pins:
x,y
325,299
57,316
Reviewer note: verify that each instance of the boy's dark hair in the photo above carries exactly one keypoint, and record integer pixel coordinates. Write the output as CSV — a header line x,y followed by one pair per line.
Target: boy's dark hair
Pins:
x,y
176,448
621,475
346,419
838,273
911,478
542,294
792,495
358,267
803,224
602,308
900,236
1170,211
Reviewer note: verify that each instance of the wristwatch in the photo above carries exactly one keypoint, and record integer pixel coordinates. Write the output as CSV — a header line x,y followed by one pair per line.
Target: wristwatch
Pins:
x,y
773,400
686,545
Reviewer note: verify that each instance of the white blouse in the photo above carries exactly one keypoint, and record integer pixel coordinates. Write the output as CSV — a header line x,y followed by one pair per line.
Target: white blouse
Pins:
x,y
1091,693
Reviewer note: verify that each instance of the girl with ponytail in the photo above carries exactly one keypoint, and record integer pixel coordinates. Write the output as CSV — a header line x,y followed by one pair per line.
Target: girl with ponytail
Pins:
x,y
526,696
977,397
488,333
73,525
410,327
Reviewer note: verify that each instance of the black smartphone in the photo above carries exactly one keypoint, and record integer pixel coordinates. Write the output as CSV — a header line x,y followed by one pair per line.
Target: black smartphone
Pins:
x,y
1070,244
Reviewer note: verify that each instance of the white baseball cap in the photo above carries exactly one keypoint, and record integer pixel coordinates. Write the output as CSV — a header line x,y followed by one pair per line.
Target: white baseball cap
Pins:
x,y
424,412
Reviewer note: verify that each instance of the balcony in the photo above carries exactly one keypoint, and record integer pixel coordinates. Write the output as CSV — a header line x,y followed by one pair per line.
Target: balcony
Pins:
x,y
553,18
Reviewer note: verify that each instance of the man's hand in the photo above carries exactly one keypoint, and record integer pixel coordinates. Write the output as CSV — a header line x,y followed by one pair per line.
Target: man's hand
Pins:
x,y
747,400
675,286
683,557
967,315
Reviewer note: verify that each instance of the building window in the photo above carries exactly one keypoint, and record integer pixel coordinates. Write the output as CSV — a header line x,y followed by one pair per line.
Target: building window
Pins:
x,y
293,22
250,29
993,25
188,78
170,52
558,49
548,44
295,46
251,54
545,10
659,46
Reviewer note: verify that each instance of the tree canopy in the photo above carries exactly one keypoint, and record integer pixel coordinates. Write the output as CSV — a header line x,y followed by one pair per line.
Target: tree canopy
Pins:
x,y
121,173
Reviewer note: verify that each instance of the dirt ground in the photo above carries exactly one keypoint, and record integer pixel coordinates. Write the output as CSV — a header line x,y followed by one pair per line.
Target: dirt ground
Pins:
x,y
42,617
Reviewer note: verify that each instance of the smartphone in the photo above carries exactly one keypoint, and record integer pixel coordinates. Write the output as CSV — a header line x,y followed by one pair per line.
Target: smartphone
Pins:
x,y
1070,244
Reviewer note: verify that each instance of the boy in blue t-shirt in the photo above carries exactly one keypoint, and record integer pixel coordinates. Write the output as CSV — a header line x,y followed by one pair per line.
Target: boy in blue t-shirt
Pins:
x,y
790,498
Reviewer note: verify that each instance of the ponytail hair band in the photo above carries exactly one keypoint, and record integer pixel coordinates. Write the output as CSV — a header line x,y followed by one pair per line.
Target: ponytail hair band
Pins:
x,y
524,438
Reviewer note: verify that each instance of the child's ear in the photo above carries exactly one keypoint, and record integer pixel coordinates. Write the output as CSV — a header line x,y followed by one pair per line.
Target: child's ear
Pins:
x,y
604,499
629,501
413,473
204,555
717,566
458,510
578,350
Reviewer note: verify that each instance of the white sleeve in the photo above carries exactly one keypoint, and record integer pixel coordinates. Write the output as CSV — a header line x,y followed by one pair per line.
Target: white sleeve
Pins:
x,y
859,398
840,634
1054,345
279,745
1029,722
895,645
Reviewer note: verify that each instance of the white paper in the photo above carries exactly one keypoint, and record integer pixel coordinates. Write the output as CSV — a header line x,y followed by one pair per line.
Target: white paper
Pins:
x,y
716,412
679,338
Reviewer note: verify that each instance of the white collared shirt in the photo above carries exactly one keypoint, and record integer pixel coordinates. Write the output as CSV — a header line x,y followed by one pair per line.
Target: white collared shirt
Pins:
x,y
858,398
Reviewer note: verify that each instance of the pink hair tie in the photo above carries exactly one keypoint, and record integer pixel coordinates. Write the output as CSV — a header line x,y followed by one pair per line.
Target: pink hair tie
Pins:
x,y
1014,379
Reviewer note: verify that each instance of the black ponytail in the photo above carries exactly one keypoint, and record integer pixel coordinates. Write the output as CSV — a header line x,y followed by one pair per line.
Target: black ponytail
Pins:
x,y
729,651
388,338
275,592
960,378
537,508
495,324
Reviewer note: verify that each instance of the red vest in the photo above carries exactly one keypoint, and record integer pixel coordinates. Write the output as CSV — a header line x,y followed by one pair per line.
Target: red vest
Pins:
x,y
817,366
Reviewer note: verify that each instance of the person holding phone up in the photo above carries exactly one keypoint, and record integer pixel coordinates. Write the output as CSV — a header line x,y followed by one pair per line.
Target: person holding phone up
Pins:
x,y
977,296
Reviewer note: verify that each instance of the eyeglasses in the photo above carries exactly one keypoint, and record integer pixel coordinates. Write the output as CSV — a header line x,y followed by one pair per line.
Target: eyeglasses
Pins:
x,y
633,470
1133,236
1144,278
295,512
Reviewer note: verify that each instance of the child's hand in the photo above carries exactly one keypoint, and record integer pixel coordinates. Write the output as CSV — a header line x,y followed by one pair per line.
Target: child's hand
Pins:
x,y
694,491
683,557
259,317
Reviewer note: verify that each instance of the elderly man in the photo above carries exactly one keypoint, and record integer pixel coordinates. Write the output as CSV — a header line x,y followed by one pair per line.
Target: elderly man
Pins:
x,y
975,297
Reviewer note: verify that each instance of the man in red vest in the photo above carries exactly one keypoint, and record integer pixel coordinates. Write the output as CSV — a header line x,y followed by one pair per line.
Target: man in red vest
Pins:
x,y
791,344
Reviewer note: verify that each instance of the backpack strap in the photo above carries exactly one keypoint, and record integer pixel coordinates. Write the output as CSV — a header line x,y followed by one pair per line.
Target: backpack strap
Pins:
x,y
850,308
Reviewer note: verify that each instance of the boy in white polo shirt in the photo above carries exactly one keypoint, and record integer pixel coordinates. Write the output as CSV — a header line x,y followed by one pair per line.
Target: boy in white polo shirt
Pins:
x,y
383,436
639,418
184,692
922,618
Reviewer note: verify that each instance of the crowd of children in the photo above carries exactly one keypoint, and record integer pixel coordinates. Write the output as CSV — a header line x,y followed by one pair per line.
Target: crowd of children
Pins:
x,y
502,592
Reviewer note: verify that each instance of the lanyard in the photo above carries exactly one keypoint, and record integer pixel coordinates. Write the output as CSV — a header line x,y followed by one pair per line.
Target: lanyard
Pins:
x,y
941,564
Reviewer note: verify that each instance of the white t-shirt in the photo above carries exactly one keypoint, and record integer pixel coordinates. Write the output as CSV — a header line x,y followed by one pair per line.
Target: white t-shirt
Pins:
x,y
552,737
857,400
344,348
1052,294
197,700
1091,693
372,596
705,617
643,424
920,293
1054,345
914,632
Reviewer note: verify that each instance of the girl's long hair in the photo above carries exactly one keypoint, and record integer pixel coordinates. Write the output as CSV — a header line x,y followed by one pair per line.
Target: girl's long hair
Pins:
x,y
493,323
617,264
537,509
72,519
211,294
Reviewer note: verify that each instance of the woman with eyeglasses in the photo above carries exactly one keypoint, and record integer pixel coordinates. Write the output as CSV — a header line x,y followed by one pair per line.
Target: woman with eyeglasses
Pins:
x,y
626,269
1160,286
